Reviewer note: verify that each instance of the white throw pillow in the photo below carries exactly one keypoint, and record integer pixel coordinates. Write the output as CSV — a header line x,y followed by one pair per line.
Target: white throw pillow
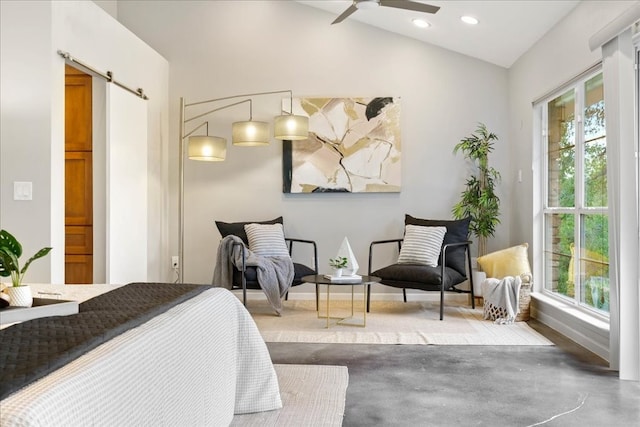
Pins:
x,y
266,240
421,245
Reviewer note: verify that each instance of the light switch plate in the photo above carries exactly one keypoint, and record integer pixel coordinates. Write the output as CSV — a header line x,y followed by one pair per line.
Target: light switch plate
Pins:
x,y
22,190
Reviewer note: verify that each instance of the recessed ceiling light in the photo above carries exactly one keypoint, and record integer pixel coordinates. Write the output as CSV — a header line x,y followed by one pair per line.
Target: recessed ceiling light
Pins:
x,y
469,20
420,23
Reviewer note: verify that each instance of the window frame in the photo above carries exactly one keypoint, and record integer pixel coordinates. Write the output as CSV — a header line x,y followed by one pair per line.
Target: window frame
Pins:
x,y
541,152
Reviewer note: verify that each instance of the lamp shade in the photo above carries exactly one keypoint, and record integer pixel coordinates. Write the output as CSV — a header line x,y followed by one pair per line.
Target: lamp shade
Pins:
x,y
250,133
207,148
290,127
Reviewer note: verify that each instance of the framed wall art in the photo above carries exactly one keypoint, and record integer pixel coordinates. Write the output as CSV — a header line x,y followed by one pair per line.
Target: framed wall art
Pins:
x,y
354,146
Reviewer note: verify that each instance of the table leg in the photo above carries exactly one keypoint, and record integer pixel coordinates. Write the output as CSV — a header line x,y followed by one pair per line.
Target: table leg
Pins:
x,y
328,299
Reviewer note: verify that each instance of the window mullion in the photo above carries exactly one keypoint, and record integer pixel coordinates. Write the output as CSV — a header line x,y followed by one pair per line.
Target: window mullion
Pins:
x,y
579,190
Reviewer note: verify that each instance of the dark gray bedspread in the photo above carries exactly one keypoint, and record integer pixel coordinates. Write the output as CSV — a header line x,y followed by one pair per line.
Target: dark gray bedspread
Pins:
x,y
30,350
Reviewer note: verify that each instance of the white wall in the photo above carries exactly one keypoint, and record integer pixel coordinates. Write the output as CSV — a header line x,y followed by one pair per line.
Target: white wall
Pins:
x,y
25,127
560,55
32,118
224,48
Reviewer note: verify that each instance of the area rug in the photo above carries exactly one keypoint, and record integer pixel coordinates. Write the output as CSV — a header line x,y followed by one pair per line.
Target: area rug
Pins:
x,y
390,322
312,395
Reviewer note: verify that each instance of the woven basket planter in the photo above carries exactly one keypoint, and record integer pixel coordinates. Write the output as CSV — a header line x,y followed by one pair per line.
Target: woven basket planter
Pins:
x,y
524,302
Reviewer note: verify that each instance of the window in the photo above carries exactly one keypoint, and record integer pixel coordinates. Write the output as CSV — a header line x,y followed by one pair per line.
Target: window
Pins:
x,y
575,214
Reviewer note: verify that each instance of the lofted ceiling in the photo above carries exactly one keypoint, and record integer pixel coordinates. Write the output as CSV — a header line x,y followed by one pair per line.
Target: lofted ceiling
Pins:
x,y
506,28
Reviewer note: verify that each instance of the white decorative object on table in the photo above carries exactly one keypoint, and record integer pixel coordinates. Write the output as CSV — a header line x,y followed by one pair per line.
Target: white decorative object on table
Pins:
x,y
19,296
346,252
337,264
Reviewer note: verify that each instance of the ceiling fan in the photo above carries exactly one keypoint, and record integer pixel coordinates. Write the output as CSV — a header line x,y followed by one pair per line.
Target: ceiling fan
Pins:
x,y
398,4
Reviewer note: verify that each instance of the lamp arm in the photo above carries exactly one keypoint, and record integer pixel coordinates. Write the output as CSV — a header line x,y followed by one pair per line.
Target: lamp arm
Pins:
x,y
289,91
199,126
218,109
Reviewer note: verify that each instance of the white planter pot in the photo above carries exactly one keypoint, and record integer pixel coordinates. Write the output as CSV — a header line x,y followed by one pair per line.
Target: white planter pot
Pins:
x,y
478,278
337,272
19,296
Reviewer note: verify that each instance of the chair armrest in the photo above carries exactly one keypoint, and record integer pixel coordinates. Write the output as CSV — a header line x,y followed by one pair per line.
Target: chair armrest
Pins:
x,y
379,242
290,241
244,254
448,245
453,245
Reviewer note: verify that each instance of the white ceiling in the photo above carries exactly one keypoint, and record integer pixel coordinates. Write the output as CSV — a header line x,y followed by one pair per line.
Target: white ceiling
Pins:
x,y
507,28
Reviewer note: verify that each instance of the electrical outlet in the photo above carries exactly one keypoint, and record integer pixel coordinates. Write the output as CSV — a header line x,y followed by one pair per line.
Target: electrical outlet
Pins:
x,y
174,262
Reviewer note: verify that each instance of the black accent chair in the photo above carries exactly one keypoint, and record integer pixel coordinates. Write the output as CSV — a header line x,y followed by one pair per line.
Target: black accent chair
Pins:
x,y
450,272
246,277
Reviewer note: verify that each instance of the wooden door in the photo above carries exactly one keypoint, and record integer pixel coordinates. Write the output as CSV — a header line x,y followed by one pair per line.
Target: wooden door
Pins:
x,y
78,177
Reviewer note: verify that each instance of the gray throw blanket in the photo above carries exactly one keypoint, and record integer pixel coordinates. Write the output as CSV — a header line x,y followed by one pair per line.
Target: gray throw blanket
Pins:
x,y
275,274
501,299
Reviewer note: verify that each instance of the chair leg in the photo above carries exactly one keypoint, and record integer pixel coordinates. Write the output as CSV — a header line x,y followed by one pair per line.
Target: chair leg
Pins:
x,y
244,290
368,297
404,294
318,297
473,297
441,304
286,296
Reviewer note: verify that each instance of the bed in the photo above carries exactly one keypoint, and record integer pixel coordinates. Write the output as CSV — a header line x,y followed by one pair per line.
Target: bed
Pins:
x,y
198,363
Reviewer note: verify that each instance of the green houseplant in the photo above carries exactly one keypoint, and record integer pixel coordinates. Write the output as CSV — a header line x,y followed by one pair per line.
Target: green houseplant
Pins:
x,y
10,252
479,200
338,263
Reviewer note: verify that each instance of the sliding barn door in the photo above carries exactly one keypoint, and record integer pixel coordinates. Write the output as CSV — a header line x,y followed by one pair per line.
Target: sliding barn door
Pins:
x,y
126,220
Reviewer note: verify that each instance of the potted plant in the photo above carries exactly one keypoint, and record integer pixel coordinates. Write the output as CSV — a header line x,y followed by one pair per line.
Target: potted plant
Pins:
x,y
338,263
479,200
10,252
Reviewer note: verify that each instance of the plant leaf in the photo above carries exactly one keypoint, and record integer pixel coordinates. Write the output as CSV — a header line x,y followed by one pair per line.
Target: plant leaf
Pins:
x,y
42,252
8,262
10,243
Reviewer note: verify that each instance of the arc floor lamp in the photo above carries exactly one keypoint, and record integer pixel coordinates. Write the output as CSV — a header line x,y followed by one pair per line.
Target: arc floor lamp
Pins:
x,y
286,126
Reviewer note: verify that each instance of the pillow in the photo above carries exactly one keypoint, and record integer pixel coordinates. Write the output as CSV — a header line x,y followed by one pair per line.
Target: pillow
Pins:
x,y
421,245
267,240
457,231
237,228
506,262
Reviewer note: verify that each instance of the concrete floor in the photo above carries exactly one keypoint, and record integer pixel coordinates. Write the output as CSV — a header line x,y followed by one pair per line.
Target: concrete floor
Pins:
x,y
415,385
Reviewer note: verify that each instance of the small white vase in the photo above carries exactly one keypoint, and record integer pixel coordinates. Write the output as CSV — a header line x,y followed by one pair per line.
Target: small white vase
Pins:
x,y
19,296
478,278
337,272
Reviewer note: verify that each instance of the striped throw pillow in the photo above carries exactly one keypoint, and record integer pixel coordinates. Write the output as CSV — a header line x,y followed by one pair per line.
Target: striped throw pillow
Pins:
x,y
266,240
421,245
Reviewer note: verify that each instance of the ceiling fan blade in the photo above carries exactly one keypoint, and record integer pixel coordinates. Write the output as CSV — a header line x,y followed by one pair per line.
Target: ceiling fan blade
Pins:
x,y
345,14
410,5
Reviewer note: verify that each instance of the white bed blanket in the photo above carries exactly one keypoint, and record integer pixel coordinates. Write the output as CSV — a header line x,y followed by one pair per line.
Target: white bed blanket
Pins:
x,y
197,364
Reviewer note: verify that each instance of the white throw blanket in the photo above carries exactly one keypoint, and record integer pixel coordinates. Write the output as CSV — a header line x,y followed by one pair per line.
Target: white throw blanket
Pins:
x,y
275,274
501,299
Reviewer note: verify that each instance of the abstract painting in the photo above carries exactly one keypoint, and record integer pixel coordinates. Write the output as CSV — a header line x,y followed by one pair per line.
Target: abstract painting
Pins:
x,y
354,146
